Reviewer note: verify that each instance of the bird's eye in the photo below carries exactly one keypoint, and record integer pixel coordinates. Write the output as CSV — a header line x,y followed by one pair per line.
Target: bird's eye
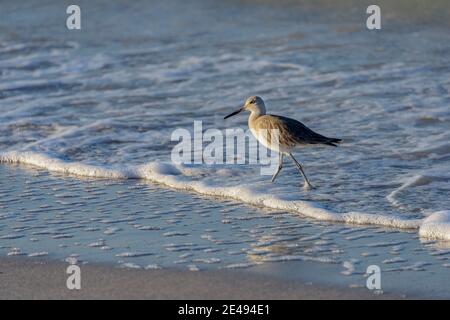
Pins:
x,y
252,101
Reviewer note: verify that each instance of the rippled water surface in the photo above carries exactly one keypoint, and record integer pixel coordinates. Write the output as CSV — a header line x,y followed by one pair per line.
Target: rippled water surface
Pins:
x,y
111,94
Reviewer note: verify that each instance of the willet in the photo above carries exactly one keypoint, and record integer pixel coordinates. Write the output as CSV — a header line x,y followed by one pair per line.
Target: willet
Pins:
x,y
290,133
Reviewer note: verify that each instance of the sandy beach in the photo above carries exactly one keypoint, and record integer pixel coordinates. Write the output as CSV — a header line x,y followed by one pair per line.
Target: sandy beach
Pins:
x,y
34,279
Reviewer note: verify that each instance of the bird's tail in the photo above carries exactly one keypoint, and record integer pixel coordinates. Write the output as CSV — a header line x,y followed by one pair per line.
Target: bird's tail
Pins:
x,y
332,142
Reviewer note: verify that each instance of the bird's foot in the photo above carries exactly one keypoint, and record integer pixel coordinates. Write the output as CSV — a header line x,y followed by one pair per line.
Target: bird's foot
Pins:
x,y
308,186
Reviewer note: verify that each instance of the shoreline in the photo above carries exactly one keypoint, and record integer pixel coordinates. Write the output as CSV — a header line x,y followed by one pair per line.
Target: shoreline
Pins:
x,y
436,226
24,278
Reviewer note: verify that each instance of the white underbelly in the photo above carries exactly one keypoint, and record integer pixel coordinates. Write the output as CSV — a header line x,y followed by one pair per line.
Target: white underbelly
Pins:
x,y
272,145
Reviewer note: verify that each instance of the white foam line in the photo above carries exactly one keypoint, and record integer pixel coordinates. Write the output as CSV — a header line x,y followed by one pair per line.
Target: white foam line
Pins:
x,y
436,226
417,180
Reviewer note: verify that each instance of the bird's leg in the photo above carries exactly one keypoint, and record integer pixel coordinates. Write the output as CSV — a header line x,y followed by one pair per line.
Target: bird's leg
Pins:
x,y
300,168
280,166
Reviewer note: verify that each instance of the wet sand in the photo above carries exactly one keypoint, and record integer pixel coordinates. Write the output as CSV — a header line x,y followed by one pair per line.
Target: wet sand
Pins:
x,y
37,279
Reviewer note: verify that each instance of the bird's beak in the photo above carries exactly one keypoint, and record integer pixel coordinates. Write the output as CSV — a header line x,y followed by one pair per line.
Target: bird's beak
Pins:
x,y
235,112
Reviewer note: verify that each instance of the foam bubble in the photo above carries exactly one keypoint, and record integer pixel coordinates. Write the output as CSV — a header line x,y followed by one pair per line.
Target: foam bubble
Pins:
x,y
436,226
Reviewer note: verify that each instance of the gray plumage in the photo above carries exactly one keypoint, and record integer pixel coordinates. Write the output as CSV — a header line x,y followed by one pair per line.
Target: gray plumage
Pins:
x,y
292,132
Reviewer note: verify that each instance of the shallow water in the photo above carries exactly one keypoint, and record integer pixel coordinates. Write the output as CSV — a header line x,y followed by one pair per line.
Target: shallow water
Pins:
x,y
110,96
145,225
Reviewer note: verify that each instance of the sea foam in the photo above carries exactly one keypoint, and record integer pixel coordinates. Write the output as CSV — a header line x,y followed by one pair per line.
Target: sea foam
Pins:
x,y
179,177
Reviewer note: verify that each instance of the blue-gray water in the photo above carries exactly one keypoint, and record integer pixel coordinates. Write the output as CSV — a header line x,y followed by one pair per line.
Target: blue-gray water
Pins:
x,y
113,92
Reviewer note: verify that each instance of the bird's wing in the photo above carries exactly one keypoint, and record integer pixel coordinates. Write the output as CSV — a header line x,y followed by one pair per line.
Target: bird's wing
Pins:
x,y
291,131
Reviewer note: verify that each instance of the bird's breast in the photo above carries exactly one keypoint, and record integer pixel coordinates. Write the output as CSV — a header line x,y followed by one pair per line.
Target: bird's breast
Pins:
x,y
264,136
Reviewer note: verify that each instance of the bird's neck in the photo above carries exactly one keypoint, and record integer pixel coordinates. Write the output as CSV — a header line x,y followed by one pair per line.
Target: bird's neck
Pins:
x,y
254,115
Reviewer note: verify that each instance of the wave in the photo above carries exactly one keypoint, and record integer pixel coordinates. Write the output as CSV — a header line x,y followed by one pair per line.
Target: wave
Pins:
x,y
415,181
179,177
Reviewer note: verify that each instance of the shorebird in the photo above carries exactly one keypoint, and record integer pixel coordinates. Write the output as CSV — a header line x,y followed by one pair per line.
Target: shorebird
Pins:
x,y
290,133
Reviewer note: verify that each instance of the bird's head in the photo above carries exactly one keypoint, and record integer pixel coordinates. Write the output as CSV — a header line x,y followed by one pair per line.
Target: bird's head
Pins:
x,y
253,104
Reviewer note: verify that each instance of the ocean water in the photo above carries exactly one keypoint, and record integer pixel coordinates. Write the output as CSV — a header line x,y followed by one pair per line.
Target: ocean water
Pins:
x,y
86,119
